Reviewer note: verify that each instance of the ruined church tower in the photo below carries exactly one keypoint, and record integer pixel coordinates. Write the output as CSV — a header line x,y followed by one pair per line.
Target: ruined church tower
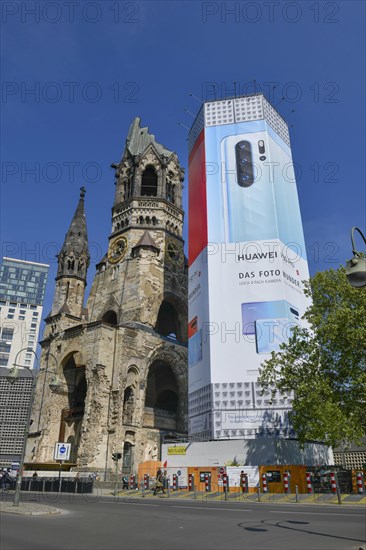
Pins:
x,y
120,362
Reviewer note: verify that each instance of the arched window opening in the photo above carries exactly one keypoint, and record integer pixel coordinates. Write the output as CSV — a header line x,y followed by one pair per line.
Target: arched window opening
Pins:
x,y
70,264
154,220
167,400
110,317
173,194
76,385
149,182
128,405
127,458
161,390
147,220
167,323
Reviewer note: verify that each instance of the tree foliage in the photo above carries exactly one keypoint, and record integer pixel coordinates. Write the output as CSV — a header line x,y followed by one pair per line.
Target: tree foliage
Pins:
x,y
325,364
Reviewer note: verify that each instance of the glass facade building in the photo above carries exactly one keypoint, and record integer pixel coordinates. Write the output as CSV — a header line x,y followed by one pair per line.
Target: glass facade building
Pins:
x,y
22,290
22,281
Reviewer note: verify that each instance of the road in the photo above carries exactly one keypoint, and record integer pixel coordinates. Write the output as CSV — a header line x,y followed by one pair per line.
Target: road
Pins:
x,y
167,524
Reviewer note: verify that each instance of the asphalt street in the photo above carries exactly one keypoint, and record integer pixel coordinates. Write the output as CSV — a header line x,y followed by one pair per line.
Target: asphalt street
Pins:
x,y
97,523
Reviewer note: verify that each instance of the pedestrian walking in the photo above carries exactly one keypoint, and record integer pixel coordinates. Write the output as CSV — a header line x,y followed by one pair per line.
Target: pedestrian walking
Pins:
x,y
159,482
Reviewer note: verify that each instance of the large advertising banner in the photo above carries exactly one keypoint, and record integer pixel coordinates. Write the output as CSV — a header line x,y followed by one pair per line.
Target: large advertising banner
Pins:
x,y
250,294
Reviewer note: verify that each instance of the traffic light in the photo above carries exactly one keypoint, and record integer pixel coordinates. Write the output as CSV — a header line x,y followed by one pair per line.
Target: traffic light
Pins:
x,y
116,456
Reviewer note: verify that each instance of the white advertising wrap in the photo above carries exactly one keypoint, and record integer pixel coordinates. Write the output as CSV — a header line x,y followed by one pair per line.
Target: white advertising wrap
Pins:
x,y
246,282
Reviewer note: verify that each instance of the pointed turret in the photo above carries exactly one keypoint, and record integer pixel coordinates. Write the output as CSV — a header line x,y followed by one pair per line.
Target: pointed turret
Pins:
x,y
74,257
73,263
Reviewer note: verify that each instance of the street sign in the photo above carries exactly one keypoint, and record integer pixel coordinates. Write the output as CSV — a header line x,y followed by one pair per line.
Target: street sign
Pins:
x,y
221,470
62,451
179,473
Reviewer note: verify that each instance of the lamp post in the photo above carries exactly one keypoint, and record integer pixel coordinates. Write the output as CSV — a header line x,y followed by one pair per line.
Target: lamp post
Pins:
x,y
11,377
356,266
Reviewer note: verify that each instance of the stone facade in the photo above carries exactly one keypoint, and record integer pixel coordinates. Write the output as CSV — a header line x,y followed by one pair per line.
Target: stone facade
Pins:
x,y
120,362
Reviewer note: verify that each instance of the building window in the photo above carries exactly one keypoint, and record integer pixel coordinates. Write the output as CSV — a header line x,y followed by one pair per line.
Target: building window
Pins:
x,y
7,333
4,348
149,182
10,316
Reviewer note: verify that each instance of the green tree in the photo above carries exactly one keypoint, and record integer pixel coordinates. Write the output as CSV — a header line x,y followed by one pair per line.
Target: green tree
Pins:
x,y
324,365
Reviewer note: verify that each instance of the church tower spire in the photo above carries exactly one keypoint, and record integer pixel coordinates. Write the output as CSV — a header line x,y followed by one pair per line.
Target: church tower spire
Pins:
x,y
73,263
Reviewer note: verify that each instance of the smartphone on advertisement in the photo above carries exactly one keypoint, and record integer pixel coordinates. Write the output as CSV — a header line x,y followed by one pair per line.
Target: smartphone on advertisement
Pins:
x,y
255,311
271,333
248,196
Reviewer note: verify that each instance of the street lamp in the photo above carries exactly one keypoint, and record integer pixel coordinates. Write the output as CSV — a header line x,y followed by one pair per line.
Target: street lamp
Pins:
x,y
356,267
11,377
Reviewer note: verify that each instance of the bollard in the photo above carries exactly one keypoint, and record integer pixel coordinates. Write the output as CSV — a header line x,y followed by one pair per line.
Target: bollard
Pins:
x,y
359,483
191,482
175,482
225,484
333,484
264,483
142,485
308,482
168,486
285,482
297,493
244,483
146,482
207,483
259,493
339,495
132,481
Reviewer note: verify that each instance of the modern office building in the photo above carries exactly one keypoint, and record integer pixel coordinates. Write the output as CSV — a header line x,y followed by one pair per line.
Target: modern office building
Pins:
x,y
247,264
22,289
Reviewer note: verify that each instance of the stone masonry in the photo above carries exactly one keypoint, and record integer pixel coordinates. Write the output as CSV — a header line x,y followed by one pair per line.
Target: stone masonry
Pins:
x,y
119,364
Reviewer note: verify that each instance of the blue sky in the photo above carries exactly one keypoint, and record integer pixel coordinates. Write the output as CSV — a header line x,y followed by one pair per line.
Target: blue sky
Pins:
x,y
94,66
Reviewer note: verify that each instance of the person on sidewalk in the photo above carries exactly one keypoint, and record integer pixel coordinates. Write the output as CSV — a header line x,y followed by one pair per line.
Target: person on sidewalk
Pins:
x,y
159,483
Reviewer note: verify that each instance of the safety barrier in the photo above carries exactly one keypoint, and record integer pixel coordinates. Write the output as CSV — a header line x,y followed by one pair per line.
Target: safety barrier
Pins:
x,y
264,483
132,484
175,482
146,482
359,478
308,482
333,483
190,482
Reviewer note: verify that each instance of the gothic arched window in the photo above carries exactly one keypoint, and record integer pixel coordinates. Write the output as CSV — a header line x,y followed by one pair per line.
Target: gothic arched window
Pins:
x,y
149,182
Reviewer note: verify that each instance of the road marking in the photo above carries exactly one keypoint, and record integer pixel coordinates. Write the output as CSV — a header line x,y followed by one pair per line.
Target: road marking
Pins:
x,y
313,513
208,508
139,504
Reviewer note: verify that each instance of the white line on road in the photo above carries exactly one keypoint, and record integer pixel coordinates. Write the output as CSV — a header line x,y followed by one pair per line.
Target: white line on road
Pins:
x,y
208,508
314,513
138,503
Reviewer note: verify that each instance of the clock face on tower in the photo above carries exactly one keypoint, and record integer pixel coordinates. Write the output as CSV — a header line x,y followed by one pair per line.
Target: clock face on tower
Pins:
x,y
173,253
117,250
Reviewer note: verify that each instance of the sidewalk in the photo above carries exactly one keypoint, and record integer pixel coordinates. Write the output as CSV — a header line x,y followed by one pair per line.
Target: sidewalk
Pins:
x,y
30,504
